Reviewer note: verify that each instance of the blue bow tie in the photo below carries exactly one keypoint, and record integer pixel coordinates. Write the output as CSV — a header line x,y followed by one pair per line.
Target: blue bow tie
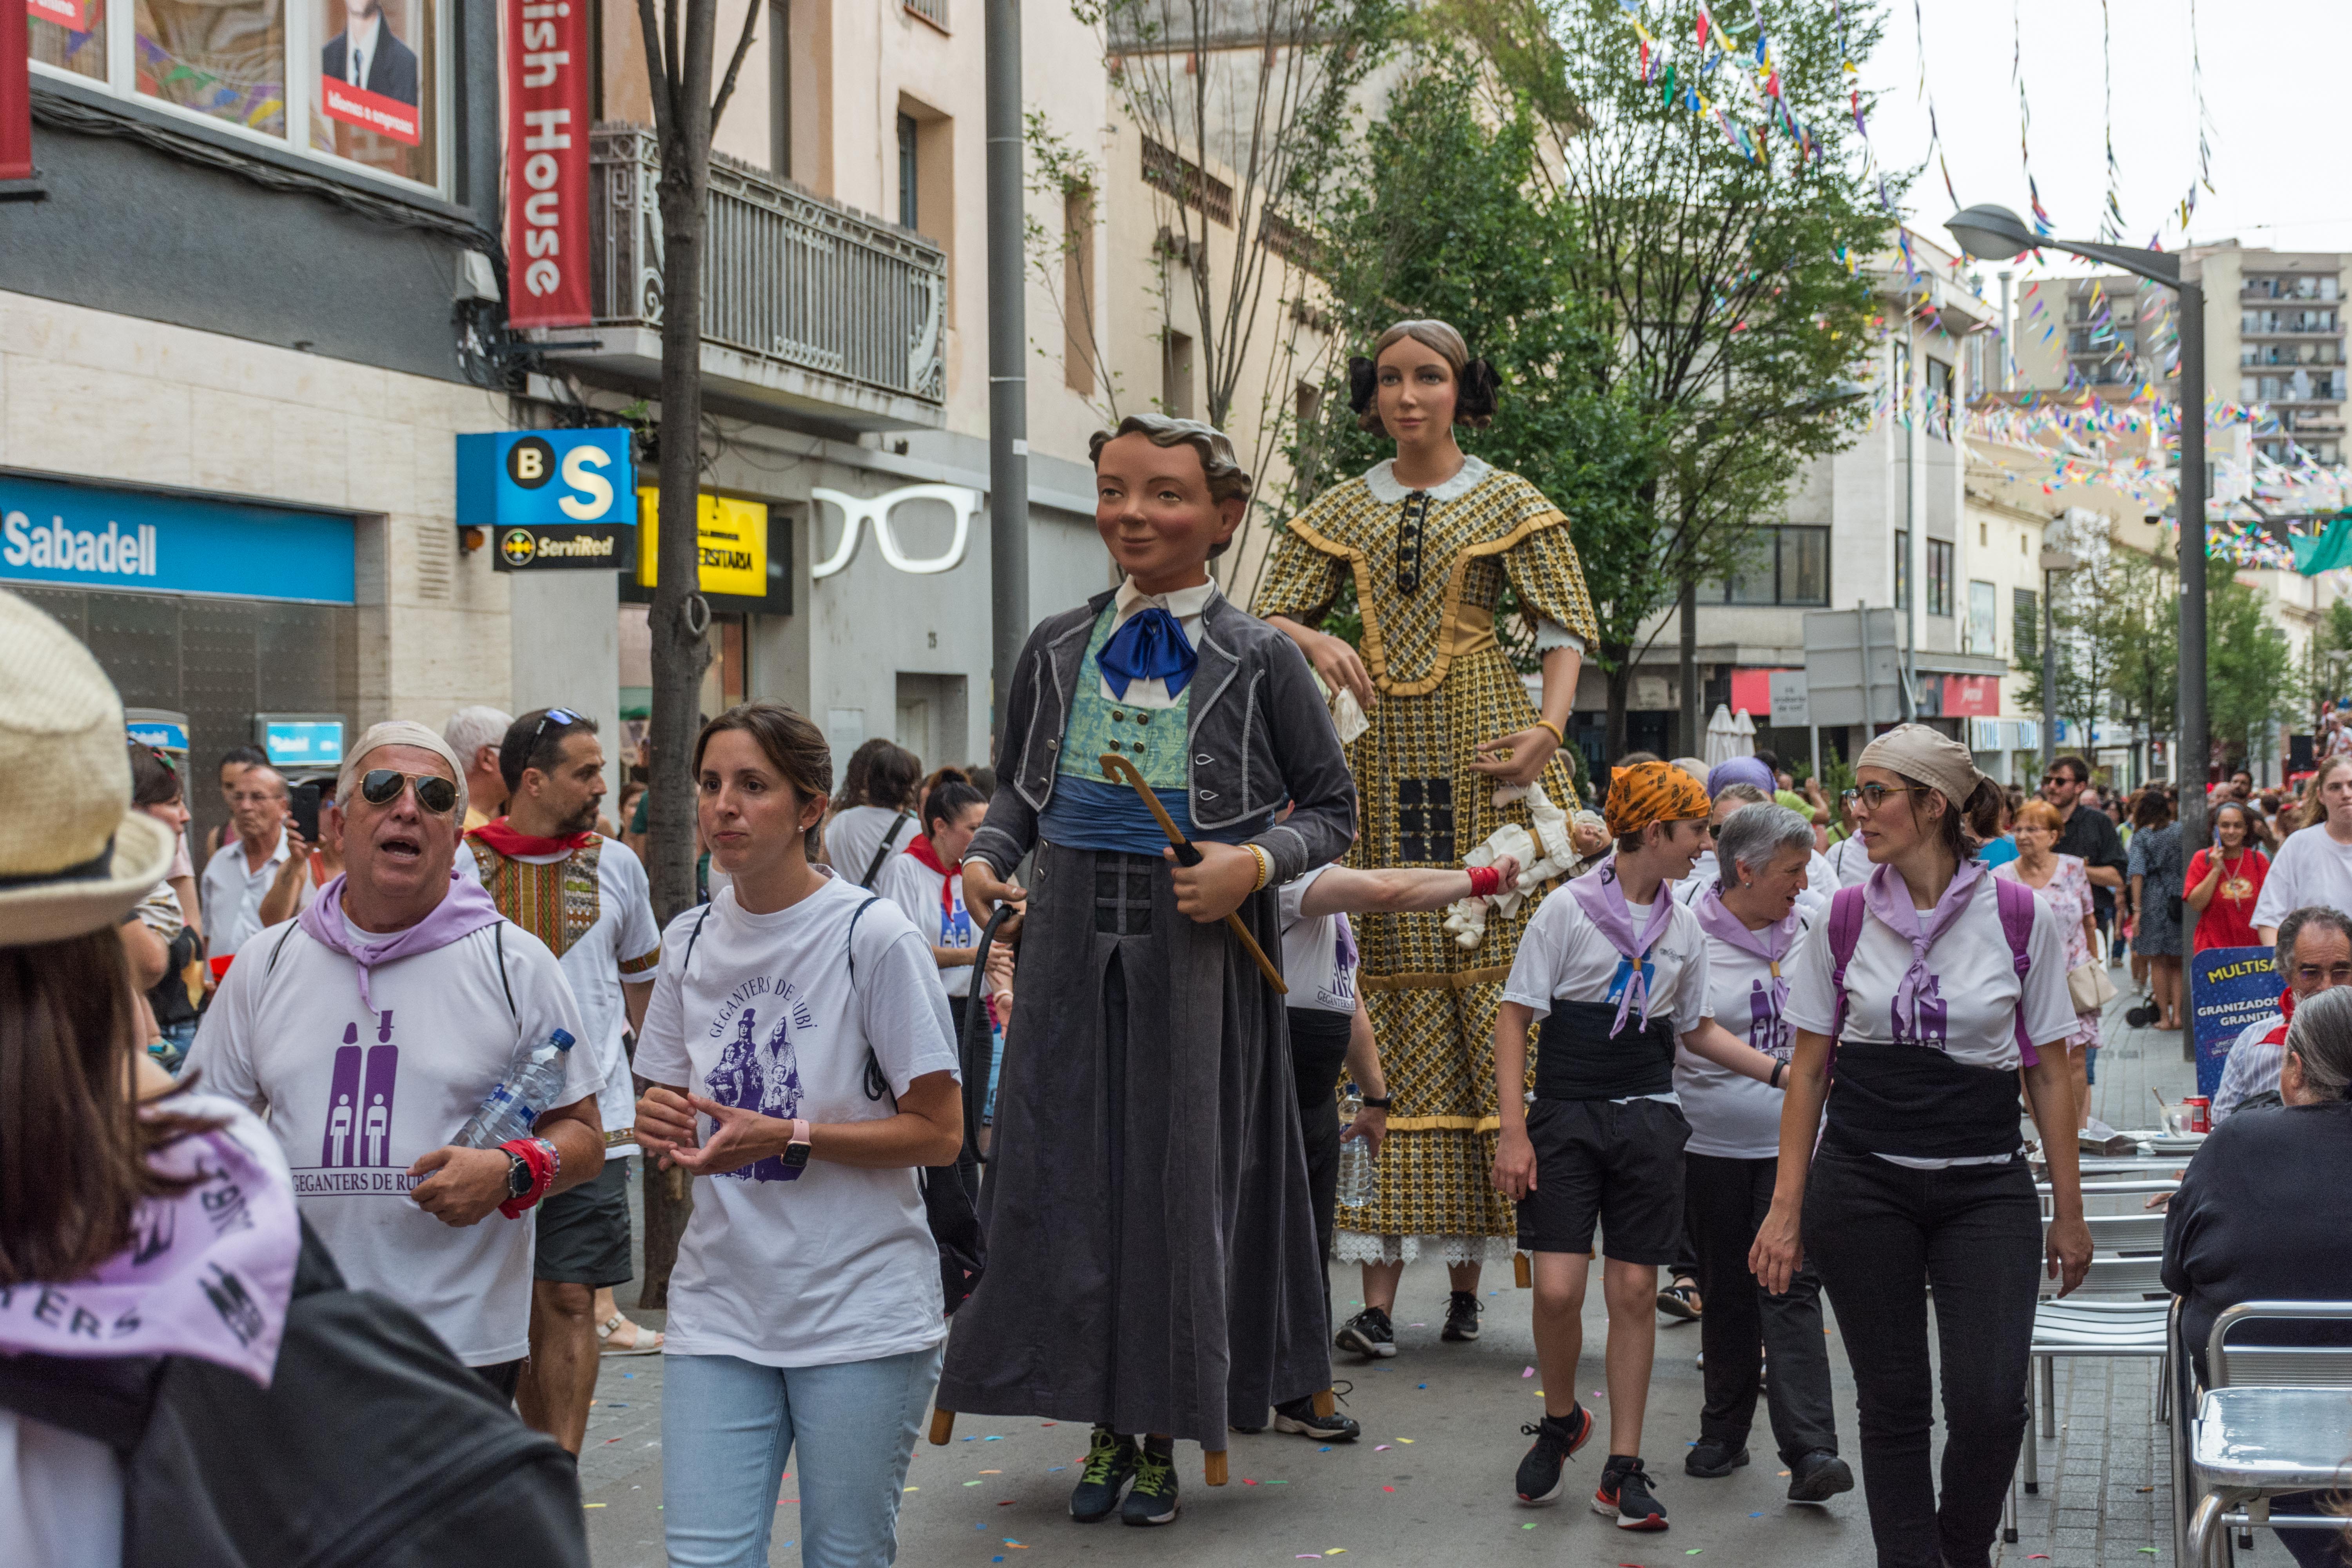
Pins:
x,y
1149,646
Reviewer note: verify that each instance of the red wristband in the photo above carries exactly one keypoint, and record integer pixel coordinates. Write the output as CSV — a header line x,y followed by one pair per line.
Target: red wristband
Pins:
x,y
1484,880
544,1161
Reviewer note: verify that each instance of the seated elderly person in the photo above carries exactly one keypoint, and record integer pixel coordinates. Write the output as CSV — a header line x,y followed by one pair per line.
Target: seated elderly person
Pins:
x,y
2315,952
2259,1215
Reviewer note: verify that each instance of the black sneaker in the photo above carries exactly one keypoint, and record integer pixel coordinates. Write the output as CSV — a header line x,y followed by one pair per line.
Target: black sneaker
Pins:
x,y
1819,1477
1298,1415
1369,1332
1680,1300
1462,1316
1110,1461
1542,1474
1625,1493
1712,1457
1152,1499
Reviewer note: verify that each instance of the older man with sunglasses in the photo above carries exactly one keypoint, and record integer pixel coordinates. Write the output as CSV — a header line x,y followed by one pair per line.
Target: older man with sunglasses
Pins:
x,y
368,1029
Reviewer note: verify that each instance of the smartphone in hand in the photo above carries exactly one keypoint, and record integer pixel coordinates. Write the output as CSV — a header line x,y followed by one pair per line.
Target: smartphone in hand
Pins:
x,y
302,809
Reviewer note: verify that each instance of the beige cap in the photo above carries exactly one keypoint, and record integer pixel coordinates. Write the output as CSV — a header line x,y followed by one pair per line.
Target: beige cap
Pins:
x,y
397,732
1916,752
75,855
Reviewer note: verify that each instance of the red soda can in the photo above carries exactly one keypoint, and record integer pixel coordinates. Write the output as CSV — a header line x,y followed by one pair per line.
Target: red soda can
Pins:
x,y
2195,1114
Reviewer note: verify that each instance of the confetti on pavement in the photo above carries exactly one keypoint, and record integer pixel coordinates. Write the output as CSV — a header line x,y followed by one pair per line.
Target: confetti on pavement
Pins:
x,y
1529,1373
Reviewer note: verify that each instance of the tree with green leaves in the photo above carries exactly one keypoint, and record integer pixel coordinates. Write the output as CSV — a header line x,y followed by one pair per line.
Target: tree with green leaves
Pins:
x,y
1722,255
2252,685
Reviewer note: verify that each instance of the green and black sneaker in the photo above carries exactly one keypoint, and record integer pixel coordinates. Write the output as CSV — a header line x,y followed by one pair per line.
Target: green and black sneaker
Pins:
x,y
1110,1461
1153,1498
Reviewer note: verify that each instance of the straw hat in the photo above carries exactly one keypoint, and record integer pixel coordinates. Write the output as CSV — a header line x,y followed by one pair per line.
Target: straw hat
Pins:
x,y
75,855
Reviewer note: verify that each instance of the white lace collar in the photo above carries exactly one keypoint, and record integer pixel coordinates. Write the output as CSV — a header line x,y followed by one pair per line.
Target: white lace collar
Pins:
x,y
1381,479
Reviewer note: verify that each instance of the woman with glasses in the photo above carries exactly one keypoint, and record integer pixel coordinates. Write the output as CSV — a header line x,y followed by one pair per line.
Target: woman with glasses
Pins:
x,y
2062,882
1935,983
1429,539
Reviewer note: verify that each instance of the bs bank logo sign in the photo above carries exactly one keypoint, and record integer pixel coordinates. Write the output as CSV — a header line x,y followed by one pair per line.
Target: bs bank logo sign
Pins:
x,y
550,498
67,535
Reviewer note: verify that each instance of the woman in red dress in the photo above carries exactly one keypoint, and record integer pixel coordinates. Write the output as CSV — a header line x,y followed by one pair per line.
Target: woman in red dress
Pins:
x,y
2223,884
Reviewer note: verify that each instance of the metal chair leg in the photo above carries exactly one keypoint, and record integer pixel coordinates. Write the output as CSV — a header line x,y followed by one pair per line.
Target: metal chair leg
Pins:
x,y
2032,1463
2049,1396
2202,1529
2009,1512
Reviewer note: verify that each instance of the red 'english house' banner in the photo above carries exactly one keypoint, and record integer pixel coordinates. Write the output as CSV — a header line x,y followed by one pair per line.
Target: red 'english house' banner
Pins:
x,y
16,94
547,163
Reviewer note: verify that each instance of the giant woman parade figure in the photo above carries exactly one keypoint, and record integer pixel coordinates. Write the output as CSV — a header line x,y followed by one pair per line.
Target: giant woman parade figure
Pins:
x,y
1430,538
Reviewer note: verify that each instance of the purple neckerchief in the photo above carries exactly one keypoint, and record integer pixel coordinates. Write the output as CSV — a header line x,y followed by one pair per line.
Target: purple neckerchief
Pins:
x,y
1772,945
463,911
1344,955
1603,900
207,1274
1886,896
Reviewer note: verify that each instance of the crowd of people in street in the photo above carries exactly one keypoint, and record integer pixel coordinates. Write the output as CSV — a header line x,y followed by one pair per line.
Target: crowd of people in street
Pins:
x,y
1322,958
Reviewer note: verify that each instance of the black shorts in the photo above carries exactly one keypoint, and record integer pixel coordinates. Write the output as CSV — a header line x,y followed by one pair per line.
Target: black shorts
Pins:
x,y
1619,1165
584,1233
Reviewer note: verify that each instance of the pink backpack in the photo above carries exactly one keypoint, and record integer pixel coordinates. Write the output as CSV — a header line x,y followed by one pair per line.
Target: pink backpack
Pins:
x,y
1846,915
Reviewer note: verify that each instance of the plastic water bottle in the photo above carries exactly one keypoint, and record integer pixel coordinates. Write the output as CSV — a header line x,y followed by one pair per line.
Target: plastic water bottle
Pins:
x,y
1360,1180
509,1111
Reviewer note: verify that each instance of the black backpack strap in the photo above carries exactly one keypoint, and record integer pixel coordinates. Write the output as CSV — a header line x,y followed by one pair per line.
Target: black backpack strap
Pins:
x,y
498,939
691,938
271,967
882,850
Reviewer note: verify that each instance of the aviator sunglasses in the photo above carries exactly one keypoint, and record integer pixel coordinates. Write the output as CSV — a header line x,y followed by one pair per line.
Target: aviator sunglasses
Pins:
x,y
381,786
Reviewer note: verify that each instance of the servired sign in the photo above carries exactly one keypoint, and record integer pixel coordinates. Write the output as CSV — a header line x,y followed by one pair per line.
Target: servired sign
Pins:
x,y
547,164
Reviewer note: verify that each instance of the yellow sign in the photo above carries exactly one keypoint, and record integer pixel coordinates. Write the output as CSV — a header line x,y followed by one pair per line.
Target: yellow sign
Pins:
x,y
733,538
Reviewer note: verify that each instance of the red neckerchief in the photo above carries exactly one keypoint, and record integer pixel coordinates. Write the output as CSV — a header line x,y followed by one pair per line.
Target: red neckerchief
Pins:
x,y
2286,1005
921,848
503,838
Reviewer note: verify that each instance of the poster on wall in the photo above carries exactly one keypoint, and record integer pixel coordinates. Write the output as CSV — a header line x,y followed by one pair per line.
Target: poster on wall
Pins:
x,y
16,94
374,71
546,165
2228,988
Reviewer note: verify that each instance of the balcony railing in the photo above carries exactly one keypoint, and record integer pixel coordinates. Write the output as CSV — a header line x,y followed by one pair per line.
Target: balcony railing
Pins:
x,y
821,306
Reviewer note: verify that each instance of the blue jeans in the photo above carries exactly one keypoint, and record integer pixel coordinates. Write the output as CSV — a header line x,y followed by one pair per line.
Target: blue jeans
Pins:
x,y
729,1429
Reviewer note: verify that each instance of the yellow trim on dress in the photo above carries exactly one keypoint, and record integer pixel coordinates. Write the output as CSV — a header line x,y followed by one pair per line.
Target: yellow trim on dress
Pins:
x,y
1445,1124
1463,629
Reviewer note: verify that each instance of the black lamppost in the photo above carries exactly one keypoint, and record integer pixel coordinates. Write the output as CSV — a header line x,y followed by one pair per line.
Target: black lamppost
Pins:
x,y
1997,234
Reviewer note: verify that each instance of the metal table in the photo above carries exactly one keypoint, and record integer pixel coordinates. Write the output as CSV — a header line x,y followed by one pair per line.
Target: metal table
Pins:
x,y
2254,1443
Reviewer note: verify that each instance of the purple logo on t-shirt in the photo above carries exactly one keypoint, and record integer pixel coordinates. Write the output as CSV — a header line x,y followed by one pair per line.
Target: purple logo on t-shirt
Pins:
x,y
1765,1031
360,1100
762,1075
1933,1012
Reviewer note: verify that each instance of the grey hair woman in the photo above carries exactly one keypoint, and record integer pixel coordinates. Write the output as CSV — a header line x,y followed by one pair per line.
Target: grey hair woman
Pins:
x,y
2318,1063
1754,838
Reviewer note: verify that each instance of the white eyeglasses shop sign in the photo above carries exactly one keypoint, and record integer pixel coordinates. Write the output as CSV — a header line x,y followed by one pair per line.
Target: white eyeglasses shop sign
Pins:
x,y
63,535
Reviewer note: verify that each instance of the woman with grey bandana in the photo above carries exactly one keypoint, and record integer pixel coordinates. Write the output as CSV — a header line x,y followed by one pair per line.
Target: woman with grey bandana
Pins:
x,y
1934,982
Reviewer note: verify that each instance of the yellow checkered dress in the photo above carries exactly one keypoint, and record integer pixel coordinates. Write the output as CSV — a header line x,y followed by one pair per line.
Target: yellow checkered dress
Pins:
x,y
1445,687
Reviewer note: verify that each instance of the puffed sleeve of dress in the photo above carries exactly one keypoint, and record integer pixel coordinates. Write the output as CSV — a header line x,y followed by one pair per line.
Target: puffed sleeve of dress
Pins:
x,y
1544,569
1301,582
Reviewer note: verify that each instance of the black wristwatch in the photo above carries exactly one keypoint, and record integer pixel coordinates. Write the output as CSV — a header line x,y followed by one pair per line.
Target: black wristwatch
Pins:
x,y
1376,1102
518,1174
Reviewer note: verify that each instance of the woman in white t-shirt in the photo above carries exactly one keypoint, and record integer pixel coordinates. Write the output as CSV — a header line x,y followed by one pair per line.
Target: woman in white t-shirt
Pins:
x,y
798,1056
2314,865
925,880
877,813
1917,978
1753,918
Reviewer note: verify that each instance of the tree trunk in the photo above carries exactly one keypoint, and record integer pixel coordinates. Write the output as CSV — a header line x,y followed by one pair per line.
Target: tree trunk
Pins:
x,y
1687,667
1620,678
679,619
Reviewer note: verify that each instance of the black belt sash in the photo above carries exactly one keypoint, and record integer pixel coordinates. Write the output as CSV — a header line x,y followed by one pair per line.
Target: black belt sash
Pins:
x,y
1915,1101
1578,1059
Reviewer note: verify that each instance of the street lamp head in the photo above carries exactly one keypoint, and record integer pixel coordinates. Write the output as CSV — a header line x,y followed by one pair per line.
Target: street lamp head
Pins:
x,y
1989,233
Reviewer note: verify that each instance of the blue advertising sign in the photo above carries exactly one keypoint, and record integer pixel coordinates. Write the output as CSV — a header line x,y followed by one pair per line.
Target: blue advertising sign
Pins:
x,y
303,742
546,478
158,734
59,534
2228,988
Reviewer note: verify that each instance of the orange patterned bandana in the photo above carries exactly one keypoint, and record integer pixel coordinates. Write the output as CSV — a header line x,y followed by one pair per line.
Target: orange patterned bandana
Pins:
x,y
1652,792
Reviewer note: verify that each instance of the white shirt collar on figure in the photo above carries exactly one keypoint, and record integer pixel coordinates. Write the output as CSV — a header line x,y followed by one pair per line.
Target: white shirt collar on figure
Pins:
x,y
1186,604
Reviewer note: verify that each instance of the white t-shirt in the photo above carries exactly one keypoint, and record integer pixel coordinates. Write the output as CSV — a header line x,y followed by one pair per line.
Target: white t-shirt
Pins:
x,y
1318,968
1732,1117
353,1099
1975,979
620,947
853,835
1849,860
60,1497
2309,869
1564,955
916,889
838,1264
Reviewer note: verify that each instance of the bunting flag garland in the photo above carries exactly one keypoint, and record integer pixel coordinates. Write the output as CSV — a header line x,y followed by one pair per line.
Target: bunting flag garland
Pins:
x,y
2111,216
1712,45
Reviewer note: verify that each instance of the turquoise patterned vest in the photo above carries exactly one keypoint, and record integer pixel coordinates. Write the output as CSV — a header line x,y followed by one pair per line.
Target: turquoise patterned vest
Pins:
x,y
1151,738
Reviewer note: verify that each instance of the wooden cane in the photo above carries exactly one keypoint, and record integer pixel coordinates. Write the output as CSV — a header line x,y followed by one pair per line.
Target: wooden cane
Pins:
x,y
1187,854
1325,1404
942,1425
1522,1274
1213,1466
